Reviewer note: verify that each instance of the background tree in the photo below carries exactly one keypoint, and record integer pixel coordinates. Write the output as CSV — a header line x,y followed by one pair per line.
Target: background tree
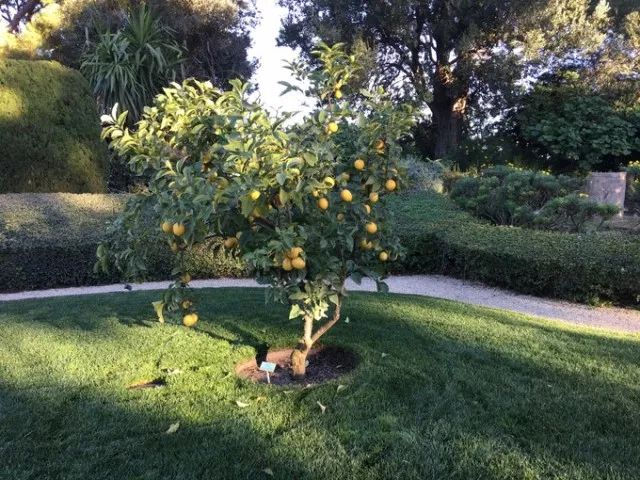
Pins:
x,y
305,206
214,34
452,53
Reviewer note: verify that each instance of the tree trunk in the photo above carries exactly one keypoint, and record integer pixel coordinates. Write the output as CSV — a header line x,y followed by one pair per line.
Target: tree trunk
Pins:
x,y
299,362
448,110
300,353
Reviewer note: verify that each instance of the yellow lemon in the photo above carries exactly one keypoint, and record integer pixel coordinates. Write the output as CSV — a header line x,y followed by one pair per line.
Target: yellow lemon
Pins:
x,y
298,263
295,252
359,164
329,182
166,227
367,209
230,242
186,278
254,195
365,244
374,197
346,195
174,247
323,204
190,319
390,185
178,229
383,256
338,94
371,228
286,264
332,127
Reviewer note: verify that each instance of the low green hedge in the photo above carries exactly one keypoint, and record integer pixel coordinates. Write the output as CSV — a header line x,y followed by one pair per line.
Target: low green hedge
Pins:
x,y
49,130
593,268
49,240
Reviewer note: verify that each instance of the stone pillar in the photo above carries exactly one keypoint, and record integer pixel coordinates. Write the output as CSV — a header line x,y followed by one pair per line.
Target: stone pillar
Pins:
x,y
608,187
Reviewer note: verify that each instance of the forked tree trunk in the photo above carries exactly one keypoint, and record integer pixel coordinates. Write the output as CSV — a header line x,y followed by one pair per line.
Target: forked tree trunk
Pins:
x,y
300,353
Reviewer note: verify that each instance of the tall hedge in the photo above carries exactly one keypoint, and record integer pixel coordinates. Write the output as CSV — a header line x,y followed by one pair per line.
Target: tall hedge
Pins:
x,y
49,130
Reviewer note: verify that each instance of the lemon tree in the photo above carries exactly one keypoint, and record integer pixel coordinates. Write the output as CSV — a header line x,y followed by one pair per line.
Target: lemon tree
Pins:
x,y
303,205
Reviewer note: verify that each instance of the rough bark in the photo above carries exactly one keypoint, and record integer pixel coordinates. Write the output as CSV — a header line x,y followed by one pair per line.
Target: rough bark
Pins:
x,y
448,108
300,353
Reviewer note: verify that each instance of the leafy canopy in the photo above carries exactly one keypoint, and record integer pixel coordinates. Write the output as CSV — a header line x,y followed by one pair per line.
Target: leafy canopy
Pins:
x,y
303,205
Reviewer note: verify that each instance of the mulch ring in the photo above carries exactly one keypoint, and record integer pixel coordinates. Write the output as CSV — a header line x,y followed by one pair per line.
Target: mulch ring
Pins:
x,y
325,363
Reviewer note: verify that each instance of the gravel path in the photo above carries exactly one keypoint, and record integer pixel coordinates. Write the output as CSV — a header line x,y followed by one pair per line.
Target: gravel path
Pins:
x,y
617,319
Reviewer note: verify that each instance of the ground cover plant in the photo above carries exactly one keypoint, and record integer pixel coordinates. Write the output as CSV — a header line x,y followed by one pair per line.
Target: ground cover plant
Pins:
x,y
303,206
441,390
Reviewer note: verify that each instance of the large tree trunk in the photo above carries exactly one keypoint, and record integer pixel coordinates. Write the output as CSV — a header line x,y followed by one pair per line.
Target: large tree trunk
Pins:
x,y
448,110
448,120
300,353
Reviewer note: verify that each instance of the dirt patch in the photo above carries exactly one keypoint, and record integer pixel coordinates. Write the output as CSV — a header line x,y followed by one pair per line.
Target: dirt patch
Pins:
x,y
325,363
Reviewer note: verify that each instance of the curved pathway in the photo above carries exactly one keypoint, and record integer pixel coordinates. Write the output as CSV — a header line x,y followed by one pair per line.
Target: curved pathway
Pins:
x,y
617,319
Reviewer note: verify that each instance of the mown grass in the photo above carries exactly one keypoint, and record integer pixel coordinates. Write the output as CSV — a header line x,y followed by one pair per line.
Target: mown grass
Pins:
x,y
460,392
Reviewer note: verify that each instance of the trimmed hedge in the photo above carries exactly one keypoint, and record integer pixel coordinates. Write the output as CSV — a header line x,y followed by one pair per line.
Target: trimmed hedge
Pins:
x,y
50,241
49,130
593,268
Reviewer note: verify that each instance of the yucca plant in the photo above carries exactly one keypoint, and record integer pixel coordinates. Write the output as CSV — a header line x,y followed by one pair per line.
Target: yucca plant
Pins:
x,y
129,67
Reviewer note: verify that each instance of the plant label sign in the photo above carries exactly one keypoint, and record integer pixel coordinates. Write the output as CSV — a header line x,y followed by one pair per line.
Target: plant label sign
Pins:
x,y
268,367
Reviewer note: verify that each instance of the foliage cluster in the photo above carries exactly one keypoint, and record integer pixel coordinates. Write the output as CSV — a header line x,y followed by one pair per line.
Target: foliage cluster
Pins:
x,y
505,195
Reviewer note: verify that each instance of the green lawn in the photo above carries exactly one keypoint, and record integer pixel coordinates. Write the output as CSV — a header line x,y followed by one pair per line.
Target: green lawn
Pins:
x,y
462,392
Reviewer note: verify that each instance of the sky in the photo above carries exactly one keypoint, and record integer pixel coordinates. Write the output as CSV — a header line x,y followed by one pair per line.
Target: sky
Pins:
x,y
272,59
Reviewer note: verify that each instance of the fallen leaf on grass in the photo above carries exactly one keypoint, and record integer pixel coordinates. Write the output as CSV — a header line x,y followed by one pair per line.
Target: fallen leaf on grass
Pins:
x,y
384,355
260,399
242,404
173,428
322,407
268,471
140,384
340,387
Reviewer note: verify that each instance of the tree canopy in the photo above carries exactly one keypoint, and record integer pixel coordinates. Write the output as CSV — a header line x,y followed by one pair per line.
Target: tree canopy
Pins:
x,y
452,55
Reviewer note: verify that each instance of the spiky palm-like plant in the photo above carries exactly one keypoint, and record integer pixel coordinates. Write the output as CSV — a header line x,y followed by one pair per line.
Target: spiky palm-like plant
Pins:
x,y
129,67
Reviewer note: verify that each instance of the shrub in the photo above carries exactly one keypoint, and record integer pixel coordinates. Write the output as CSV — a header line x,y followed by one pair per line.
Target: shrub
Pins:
x,y
572,212
425,174
508,196
50,240
440,238
49,130
129,67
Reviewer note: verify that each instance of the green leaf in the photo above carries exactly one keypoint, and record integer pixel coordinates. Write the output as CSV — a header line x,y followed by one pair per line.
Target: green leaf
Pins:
x,y
159,308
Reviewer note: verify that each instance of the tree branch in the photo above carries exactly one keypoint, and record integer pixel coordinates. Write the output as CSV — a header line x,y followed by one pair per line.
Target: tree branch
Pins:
x,y
324,328
26,10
